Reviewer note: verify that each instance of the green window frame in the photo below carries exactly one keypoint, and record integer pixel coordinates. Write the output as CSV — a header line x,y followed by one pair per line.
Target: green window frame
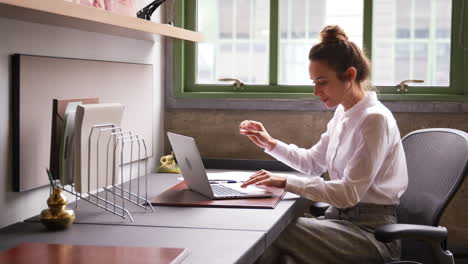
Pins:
x,y
185,64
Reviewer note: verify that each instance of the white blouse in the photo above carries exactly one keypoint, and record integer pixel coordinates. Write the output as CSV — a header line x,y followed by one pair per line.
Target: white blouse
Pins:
x,y
362,152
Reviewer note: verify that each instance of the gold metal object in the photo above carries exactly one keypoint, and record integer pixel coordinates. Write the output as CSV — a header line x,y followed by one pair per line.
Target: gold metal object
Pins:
x,y
168,164
238,85
402,87
57,217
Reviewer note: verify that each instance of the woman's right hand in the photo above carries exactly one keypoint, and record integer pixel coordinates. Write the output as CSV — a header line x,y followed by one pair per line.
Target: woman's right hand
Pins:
x,y
257,133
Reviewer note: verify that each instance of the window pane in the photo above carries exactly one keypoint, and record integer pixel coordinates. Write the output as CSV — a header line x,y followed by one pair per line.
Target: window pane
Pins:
x,y
422,19
442,22
411,40
237,45
403,18
442,63
420,61
300,25
402,59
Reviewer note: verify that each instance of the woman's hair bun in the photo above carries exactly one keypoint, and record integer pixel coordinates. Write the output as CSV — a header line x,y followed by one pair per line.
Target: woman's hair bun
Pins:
x,y
332,33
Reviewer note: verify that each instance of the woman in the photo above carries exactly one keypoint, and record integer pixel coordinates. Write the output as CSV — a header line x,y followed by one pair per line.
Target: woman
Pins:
x,y
362,153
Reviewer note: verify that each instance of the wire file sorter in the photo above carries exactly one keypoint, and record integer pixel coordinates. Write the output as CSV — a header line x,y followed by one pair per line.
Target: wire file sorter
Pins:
x,y
109,191
101,163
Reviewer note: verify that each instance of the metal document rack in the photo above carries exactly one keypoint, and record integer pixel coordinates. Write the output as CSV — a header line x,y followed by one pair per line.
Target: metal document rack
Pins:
x,y
113,196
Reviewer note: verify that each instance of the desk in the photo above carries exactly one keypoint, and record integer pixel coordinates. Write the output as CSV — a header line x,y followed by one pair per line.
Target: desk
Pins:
x,y
189,224
206,245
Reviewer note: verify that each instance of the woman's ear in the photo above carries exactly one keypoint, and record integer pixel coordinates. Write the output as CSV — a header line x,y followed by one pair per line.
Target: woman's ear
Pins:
x,y
350,74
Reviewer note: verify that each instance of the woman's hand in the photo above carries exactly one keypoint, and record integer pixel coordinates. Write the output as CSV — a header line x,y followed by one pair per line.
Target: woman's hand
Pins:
x,y
266,178
257,133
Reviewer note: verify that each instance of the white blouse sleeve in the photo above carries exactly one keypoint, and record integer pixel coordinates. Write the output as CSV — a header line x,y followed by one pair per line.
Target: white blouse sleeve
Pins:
x,y
308,161
359,173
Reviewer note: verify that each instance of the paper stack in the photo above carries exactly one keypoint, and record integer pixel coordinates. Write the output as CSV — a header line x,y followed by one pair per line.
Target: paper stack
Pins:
x,y
94,166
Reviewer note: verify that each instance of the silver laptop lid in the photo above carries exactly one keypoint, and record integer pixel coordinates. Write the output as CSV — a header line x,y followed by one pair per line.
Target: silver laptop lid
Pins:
x,y
190,163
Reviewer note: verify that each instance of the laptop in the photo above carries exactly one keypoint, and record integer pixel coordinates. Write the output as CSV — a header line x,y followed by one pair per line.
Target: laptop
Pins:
x,y
195,177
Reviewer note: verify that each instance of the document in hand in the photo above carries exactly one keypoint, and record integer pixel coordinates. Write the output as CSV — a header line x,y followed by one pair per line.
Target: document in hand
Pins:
x,y
94,167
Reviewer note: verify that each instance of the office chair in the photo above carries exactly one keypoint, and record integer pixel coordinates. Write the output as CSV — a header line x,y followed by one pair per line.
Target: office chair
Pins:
x,y
437,161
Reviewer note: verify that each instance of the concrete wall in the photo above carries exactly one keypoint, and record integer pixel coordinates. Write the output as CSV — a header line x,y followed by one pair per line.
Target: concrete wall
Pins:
x,y
216,132
37,39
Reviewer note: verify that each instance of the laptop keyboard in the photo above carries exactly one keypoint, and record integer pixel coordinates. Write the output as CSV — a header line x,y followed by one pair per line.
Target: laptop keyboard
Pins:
x,y
221,190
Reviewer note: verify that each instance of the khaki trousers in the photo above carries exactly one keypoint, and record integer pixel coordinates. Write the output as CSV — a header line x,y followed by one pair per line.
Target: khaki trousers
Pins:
x,y
341,236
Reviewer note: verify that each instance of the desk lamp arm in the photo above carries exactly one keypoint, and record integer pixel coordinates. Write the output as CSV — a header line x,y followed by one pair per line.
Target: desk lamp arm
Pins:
x,y
147,11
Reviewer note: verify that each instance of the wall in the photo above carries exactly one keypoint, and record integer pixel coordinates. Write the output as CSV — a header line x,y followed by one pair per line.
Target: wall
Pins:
x,y
37,39
216,132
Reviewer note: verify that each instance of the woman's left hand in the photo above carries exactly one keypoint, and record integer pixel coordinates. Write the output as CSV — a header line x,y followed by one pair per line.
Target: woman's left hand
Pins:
x,y
266,178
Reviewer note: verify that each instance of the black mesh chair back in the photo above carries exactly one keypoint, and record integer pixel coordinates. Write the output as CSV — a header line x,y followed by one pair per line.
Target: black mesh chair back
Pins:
x,y
437,161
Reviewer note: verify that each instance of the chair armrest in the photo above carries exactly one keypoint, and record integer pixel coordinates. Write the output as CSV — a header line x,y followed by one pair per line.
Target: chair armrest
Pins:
x,y
435,236
387,233
318,208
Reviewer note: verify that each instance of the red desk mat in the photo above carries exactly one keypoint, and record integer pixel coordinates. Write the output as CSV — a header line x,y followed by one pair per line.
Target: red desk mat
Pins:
x,y
78,254
180,195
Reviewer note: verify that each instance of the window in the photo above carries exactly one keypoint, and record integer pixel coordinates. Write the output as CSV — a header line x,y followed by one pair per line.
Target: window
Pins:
x,y
238,33
265,44
300,22
411,40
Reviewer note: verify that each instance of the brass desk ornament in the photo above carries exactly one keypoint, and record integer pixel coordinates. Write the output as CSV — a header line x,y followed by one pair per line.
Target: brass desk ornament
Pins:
x,y
168,164
57,217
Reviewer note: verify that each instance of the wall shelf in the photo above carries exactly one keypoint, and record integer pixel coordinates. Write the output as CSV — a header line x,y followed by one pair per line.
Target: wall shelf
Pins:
x,y
66,14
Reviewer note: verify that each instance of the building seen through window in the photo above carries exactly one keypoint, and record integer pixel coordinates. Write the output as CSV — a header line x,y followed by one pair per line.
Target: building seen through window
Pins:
x,y
410,39
238,40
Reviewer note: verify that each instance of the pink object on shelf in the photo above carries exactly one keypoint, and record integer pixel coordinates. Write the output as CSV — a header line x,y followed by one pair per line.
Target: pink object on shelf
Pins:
x,y
123,7
83,2
98,4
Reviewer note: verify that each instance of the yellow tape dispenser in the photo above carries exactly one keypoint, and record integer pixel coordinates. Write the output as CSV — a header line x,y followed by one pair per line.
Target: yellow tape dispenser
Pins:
x,y
168,164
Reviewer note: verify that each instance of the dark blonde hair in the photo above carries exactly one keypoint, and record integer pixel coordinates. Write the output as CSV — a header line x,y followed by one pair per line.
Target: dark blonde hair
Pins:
x,y
340,53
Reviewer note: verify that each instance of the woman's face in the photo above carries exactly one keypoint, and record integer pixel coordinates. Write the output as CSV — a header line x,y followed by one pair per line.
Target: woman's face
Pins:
x,y
331,90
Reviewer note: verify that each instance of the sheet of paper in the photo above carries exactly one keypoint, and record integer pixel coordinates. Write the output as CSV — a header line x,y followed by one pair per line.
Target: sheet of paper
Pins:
x,y
67,147
93,168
